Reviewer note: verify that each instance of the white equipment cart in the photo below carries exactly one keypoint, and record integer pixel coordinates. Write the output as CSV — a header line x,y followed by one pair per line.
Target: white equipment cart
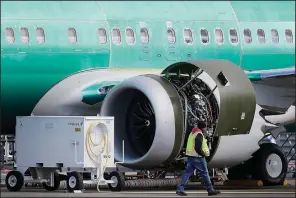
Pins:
x,y
55,148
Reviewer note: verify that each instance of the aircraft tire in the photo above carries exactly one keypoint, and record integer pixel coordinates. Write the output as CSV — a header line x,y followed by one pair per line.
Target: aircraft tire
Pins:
x,y
270,165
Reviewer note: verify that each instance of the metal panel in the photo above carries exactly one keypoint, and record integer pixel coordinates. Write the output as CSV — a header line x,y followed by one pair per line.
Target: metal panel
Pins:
x,y
53,140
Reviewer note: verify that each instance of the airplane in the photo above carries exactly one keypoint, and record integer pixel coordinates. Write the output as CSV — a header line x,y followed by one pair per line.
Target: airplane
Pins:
x,y
105,58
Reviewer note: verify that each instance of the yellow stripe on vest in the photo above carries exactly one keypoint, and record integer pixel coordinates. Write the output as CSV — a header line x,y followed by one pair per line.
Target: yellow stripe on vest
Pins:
x,y
190,148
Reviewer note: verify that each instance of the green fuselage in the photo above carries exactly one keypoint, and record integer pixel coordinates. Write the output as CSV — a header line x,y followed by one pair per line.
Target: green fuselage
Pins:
x,y
30,69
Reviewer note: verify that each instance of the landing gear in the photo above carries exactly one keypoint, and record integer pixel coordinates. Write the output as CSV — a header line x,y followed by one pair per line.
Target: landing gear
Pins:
x,y
118,179
74,181
14,181
270,164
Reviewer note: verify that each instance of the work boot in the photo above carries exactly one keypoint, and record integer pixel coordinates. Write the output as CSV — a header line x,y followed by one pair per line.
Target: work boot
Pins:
x,y
181,193
215,192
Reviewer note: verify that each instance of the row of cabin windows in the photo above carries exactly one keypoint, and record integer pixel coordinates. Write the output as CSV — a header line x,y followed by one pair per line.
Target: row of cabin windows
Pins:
x,y
274,36
144,36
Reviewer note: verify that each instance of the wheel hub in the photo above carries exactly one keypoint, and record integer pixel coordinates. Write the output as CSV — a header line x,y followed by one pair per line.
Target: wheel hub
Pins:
x,y
72,181
274,165
12,181
115,180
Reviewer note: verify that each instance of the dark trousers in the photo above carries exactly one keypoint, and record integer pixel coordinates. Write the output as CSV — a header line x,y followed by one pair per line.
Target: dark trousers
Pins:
x,y
200,164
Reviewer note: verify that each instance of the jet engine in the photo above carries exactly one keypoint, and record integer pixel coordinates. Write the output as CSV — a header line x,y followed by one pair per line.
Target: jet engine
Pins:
x,y
154,113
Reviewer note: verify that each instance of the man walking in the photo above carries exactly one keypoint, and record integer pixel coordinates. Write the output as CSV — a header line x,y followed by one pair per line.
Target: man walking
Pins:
x,y
196,151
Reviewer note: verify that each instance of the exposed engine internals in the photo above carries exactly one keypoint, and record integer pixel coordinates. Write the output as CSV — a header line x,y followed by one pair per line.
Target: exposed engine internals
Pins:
x,y
198,101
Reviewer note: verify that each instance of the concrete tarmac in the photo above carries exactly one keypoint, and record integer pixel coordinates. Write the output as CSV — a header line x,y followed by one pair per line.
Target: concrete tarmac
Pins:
x,y
258,192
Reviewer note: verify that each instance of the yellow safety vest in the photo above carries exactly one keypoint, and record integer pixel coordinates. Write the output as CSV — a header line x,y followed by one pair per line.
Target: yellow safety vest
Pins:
x,y
190,149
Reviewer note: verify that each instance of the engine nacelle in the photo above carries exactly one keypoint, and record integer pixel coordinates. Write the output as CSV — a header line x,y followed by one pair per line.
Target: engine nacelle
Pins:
x,y
147,113
153,113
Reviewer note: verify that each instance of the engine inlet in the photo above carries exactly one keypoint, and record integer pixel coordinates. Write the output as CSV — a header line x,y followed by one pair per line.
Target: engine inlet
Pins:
x,y
149,119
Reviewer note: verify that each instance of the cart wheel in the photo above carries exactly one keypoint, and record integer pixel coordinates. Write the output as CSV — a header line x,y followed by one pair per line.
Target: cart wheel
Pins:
x,y
14,181
74,181
56,186
118,179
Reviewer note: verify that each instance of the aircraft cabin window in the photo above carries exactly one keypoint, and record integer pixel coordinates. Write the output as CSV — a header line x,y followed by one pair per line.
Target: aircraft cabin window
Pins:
x,y
144,36
24,35
219,36
40,37
289,36
261,36
204,36
275,36
248,36
102,35
72,36
171,36
188,38
233,36
116,36
130,36
10,35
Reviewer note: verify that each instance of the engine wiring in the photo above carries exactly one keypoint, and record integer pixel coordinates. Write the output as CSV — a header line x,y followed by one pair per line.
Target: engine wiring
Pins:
x,y
198,100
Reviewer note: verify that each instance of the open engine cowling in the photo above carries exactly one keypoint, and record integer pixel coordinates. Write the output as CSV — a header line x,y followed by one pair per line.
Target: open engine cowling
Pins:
x,y
153,113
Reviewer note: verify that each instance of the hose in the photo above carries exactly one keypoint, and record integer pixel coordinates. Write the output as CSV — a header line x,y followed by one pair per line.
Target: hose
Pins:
x,y
90,143
134,184
151,183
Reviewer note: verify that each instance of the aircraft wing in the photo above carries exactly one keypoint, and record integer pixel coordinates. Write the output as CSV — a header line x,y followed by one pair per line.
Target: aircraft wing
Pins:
x,y
271,73
277,86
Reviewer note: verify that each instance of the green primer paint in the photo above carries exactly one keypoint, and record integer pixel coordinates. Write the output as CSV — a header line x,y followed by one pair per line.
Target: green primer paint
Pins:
x,y
29,70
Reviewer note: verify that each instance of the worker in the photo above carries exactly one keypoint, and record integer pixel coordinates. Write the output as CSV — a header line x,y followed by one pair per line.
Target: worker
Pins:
x,y
196,151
